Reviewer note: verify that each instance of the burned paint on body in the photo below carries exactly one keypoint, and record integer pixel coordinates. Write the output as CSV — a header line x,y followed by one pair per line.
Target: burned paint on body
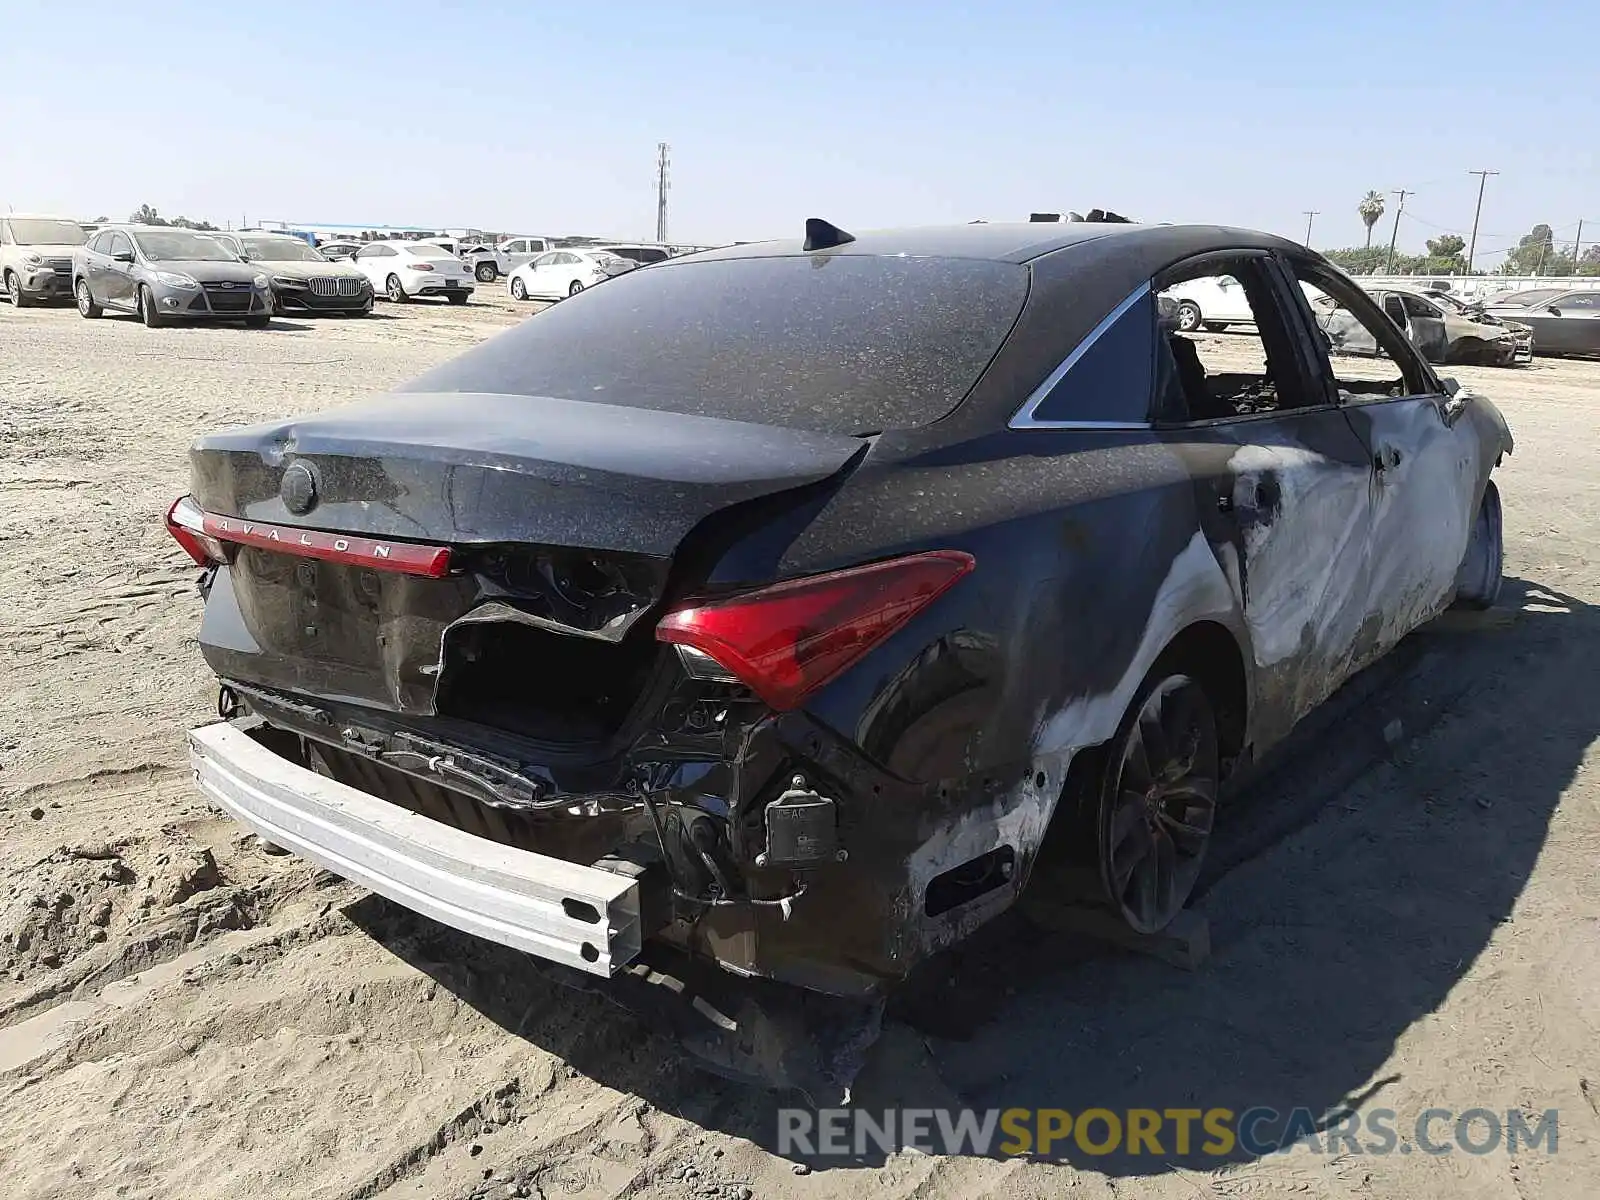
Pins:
x,y
1275,539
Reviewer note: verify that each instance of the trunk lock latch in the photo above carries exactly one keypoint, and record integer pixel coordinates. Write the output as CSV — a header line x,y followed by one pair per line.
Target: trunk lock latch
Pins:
x,y
802,829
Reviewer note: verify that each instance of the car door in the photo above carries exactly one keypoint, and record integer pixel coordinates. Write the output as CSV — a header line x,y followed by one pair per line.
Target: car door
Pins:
x,y
1231,304
1281,485
517,253
1424,460
1425,326
1344,334
542,275
1574,325
369,260
119,283
93,269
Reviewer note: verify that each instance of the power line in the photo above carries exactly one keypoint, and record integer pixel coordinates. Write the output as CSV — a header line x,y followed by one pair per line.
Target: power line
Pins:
x,y
1472,246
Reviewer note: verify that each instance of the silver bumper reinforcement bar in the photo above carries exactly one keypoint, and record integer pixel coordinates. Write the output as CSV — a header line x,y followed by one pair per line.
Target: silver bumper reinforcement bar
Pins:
x,y
579,916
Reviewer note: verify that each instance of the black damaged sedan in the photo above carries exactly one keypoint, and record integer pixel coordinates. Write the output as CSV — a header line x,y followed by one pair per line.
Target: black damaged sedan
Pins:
x,y
796,603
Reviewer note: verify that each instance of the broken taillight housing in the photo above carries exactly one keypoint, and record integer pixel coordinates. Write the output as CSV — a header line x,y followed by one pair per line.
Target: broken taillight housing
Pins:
x,y
785,641
186,522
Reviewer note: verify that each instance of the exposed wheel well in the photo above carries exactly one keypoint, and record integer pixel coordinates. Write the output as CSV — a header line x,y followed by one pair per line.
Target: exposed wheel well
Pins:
x,y
1206,651
1210,653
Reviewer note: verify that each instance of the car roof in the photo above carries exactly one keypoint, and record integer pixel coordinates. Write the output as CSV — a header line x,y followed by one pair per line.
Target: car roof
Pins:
x,y
1018,242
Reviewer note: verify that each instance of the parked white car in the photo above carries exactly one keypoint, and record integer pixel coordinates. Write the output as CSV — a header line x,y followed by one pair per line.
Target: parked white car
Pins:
x,y
522,249
559,273
1213,302
36,257
401,270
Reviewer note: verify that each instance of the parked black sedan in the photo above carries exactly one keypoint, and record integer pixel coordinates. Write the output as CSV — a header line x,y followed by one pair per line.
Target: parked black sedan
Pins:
x,y
167,275
798,603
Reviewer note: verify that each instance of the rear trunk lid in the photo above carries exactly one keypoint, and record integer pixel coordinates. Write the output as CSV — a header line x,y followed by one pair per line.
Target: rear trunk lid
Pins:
x,y
562,518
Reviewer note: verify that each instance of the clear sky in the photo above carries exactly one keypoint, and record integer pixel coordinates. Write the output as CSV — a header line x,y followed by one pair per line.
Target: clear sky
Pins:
x,y
544,117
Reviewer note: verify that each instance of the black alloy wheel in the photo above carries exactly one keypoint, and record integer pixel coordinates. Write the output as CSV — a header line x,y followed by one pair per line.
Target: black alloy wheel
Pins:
x,y
1158,801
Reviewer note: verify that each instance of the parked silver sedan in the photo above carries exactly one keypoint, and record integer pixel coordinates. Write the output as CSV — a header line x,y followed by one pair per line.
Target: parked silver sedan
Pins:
x,y
1563,322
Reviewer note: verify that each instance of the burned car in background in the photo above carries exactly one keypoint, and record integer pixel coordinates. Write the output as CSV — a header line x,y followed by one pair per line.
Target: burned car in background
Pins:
x,y
1443,329
795,604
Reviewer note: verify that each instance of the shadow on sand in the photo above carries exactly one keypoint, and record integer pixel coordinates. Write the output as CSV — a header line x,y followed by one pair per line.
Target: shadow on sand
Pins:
x,y
1352,885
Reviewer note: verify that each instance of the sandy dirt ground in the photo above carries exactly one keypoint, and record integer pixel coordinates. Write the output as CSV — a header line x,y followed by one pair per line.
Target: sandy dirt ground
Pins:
x,y
1405,912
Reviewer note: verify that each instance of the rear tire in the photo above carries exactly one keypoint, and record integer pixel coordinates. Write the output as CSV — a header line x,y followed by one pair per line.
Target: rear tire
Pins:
x,y
519,291
485,272
14,291
1482,570
1188,316
393,289
1157,799
577,286
147,309
87,308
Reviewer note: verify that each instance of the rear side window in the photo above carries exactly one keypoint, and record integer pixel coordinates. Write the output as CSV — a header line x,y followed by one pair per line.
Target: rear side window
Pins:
x,y
829,343
1108,378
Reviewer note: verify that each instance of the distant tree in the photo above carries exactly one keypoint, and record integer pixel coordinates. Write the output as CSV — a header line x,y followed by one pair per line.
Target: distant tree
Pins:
x,y
1445,255
1589,264
1535,254
1370,208
1371,260
145,214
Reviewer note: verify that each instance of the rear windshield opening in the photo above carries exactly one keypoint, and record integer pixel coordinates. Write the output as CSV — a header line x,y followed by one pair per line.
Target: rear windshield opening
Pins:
x,y
830,343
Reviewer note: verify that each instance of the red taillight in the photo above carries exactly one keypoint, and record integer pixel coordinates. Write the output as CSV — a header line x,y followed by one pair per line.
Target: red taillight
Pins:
x,y
422,266
186,522
785,641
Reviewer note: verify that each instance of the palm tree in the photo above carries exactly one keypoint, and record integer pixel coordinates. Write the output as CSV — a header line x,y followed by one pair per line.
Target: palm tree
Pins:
x,y
1370,208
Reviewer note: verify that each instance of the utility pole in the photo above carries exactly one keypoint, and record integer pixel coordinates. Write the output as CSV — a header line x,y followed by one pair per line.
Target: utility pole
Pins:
x,y
1472,246
1388,266
1577,249
661,191
1310,213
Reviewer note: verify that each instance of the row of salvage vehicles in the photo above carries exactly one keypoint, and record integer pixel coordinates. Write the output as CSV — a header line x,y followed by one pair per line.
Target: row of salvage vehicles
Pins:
x,y
168,275
1500,331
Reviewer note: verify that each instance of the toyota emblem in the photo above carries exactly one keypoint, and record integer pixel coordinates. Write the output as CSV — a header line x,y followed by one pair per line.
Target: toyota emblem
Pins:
x,y
299,488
